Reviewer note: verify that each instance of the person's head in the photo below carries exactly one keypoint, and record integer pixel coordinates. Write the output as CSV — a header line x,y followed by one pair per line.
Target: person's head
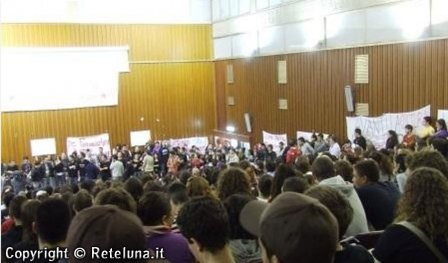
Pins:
x,y
233,181
281,145
288,228
358,132
392,134
400,162
336,202
344,169
323,168
270,166
384,162
303,164
52,222
408,128
441,124
178,196
265,185
366,172
154,209
427,158
134,187
427,120
82,200
425,202
15,209
198,186
297,184
270,147
234,204
118,197
106,227
203,221
301,141
29,211
283,171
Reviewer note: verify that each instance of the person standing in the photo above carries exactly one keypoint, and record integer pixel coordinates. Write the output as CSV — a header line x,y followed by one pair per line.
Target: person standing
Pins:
x,y
117,169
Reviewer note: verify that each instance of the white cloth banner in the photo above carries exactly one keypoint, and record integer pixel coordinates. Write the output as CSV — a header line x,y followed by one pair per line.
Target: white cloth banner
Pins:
x,y
41,147
200,142
442,114
60,78
307,135
274,139
376,129
140,138
81,144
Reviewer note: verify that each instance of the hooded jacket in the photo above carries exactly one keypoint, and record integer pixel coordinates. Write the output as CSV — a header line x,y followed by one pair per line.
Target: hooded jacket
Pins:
x,y
359,222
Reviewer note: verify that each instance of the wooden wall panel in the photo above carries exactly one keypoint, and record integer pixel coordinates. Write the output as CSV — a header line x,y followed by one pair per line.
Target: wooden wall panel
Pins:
x,y
403,77
179,95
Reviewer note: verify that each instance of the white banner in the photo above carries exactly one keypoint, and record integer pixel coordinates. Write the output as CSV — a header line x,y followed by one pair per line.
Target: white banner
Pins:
x,y
274,139
307,135
81,144
140,138
60,78
442,114
376,129
200,142
41,147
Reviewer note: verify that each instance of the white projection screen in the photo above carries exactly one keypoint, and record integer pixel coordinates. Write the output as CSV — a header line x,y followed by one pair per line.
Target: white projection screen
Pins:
x,y
139,138
35,79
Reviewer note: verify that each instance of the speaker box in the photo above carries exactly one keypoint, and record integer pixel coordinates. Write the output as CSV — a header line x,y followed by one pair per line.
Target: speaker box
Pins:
x,y
247,122
349,99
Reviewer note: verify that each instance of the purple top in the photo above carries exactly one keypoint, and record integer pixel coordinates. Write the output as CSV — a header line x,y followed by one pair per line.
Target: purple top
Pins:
x,y
174,245
441,134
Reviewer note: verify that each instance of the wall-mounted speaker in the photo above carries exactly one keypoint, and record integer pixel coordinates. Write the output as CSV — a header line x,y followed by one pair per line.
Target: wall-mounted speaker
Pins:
x,y
349,99
247,122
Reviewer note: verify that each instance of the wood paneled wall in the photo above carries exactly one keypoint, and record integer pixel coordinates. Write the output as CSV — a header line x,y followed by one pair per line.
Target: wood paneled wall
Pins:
x,y
403,77
179,95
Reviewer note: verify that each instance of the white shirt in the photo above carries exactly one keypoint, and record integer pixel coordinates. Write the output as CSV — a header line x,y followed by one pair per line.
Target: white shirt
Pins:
x,y
335,150
117,169
148,163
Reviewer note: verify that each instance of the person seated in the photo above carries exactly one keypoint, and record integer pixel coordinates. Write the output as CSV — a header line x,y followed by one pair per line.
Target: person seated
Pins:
x,y
409,139
427,130
264,187
378,198
108,227
359,139
154,209
305,147
441,129
244,245
297,184
203,221
335,149
288,228
116,196
29,237
420,233
14,235
323,170
392,141
339,206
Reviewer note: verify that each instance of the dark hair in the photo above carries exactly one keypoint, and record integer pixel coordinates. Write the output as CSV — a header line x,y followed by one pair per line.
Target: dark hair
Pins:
x,y
283,171
29,211
384,162
400,160
428,158
233,181
205,219
152,207
134,187
439,144
118,197
52,220
302,164
7,198
344,169
296,184
82,200
152,185
270,166
442,123
265,185
323,168
234,204
301,139
427,119
15,207
368,168
337,203
409,127
358,131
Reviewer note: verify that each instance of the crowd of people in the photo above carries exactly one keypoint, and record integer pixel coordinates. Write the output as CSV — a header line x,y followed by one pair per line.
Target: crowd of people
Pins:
x,y
311,201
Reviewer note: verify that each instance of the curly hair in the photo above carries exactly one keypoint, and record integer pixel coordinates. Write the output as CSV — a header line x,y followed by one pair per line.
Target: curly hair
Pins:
x,y
233,181
198,186
428,158
425,202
